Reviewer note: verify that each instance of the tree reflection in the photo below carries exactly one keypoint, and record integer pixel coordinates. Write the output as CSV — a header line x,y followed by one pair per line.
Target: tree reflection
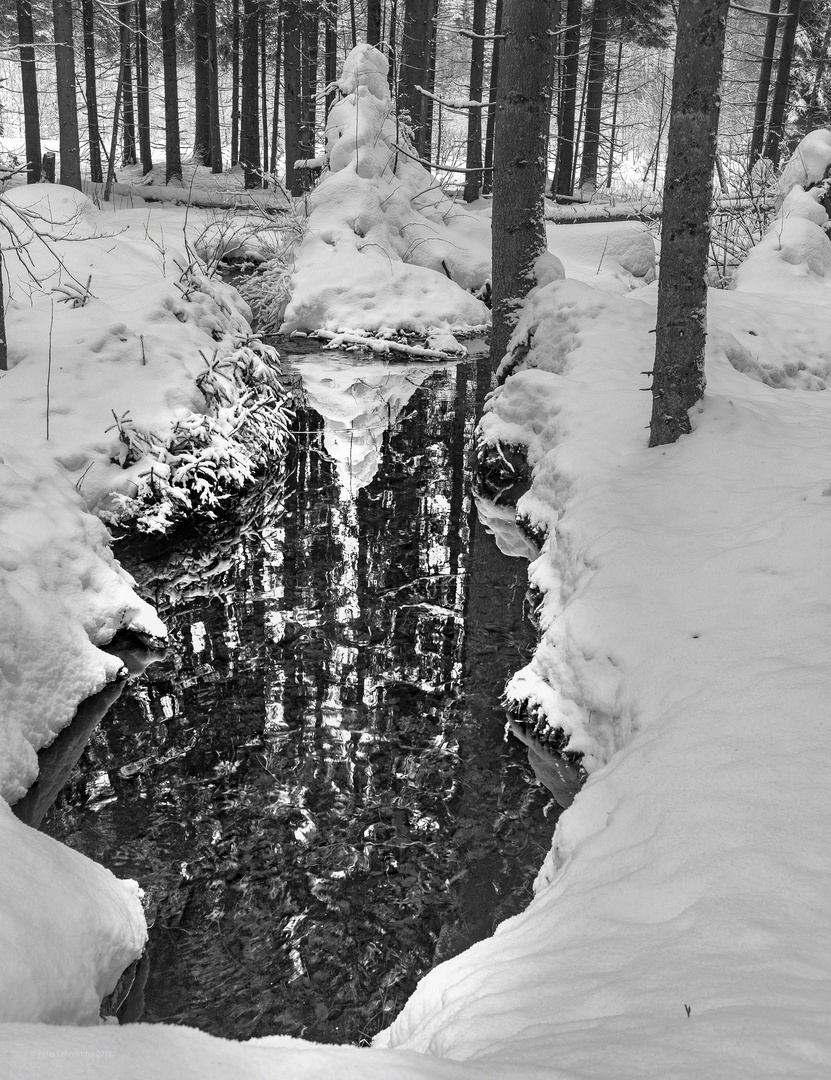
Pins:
x,y
314,788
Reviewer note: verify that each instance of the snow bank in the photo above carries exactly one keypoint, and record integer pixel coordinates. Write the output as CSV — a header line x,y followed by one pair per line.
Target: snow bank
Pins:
x,y
62,596
680,925
808,163
614,256
126,357
384,248
68,929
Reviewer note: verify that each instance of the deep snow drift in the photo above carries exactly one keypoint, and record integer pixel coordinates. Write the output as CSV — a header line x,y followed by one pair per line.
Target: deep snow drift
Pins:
x,y
384,249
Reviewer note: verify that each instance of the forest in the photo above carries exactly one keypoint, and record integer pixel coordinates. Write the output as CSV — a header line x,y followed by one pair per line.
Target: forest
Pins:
x,y
414,578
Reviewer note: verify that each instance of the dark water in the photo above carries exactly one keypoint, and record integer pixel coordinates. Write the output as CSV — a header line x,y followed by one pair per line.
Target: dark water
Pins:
x,y
313,787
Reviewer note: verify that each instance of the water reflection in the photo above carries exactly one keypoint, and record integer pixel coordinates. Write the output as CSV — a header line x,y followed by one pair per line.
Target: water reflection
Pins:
x,y
314,788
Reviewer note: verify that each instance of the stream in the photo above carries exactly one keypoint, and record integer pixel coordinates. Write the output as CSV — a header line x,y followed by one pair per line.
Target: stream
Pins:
x,y
314,787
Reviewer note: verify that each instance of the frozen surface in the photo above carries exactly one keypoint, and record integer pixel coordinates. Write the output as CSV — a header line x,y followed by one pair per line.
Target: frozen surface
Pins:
x,y
68,928
384,249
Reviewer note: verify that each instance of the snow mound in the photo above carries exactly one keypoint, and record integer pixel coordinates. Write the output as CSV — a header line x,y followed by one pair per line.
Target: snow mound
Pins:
x,y
808,163
68,929
117,344
615,256
384,247
62,596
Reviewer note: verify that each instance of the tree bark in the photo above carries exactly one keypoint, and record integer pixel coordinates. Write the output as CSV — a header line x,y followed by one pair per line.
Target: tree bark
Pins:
x,y
615,102
776,129
473,180
143,88
249,148
678,378
275,115
29,83
373,22
519,161
330,49
235,36
595,77
213,74
201,83
562,184
70,149
487,177
292,95
96,173
309,51
172,147
264,82
414,67
757,139
126,33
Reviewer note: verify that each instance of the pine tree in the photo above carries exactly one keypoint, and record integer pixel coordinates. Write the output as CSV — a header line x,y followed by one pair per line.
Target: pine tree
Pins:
x,y
70,149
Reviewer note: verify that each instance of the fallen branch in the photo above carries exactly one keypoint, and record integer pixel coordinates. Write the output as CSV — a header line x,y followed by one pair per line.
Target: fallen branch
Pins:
x,y
379,345
433,165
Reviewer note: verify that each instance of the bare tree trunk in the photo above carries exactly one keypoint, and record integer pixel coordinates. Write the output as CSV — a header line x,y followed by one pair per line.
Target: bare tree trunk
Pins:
x,y
172,147
29,82
275,115
96,173
129,149
249,148
70,149
678,378
308,69
213,81
392,46
473,179
519,161
618,68
595,77
235,35
143,88
4,349
414,66
757,139
373,22
264,82
292,95
487,178
430,85
201,83
776,130
330,48
108,183
562,184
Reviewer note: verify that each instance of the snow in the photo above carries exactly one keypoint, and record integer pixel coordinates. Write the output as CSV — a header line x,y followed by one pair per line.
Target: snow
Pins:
x,y
384,247
68,929
808,163
62,597
119,348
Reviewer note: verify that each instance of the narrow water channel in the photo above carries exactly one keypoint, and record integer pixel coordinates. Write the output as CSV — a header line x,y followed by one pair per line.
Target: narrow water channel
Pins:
x,y
313,787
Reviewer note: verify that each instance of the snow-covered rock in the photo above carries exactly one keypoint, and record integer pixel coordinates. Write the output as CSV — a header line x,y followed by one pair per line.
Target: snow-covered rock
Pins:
x,y
384,247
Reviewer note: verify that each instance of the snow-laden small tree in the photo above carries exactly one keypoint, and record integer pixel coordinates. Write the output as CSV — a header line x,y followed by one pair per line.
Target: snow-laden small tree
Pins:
x,y
678,377
519,160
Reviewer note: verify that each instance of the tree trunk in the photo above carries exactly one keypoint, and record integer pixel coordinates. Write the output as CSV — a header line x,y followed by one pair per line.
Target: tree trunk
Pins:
x,y
275,115
292,96
234,83
201,83
264,82
172,146
96,173
618,69
678,378
757,139
776,130
426,145
213,71
595,77
129,149
392,48
373,22
473,179
519,161
70,149
562,184
311,14
143,88
29,82
330,48
4,349
249,142
487,177
414,66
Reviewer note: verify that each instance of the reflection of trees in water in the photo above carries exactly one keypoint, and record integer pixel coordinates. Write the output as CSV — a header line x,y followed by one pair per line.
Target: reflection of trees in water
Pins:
x,y
314,788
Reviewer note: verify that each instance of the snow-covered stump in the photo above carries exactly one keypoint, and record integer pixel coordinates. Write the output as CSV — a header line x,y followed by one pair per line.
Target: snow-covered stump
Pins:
x,y
385,251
